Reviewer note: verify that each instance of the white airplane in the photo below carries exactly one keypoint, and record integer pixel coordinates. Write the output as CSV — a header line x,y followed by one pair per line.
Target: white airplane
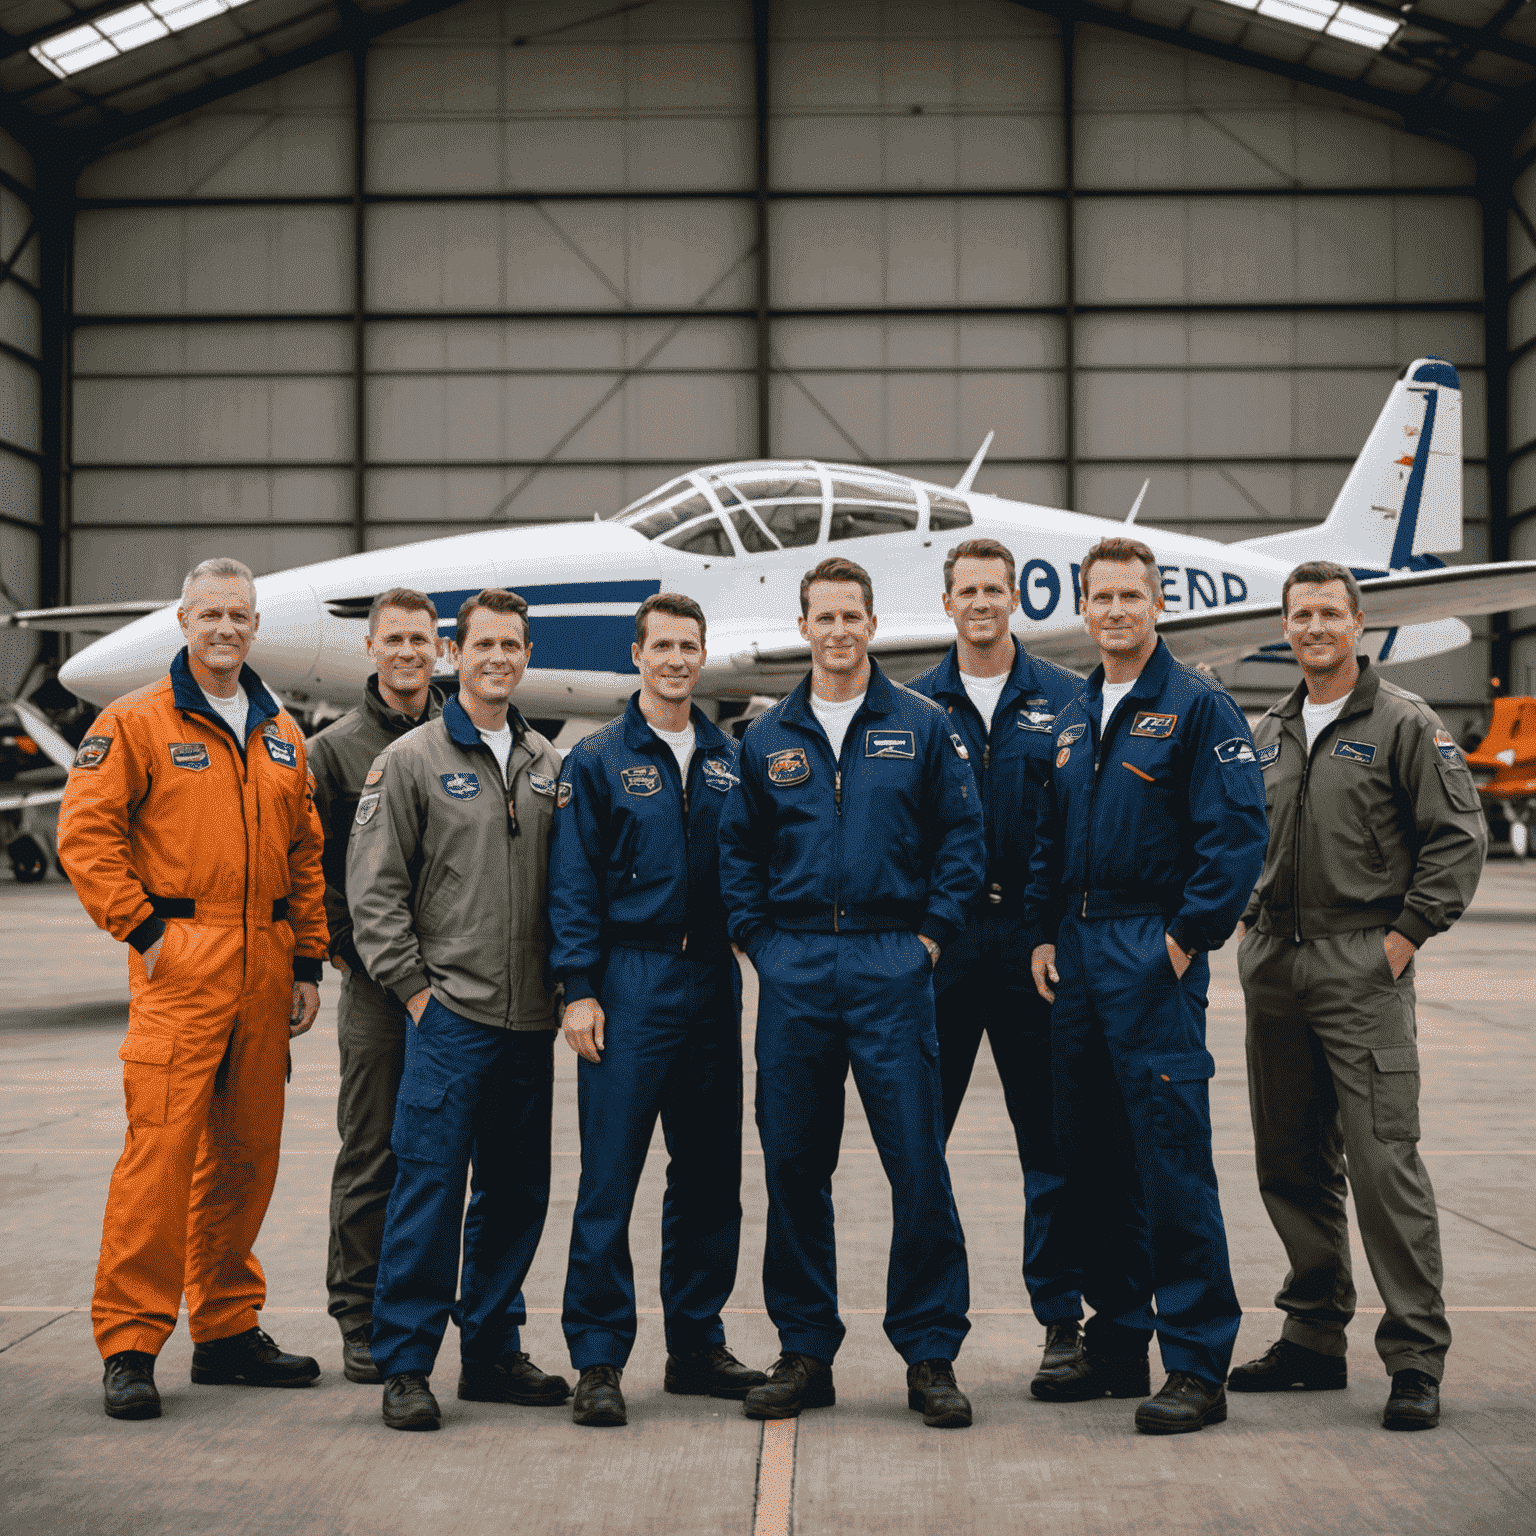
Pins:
x,y
738,537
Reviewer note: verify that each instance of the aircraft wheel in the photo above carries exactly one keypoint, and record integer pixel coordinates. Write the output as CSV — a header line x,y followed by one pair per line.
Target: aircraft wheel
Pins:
x,y
28,862
1519,839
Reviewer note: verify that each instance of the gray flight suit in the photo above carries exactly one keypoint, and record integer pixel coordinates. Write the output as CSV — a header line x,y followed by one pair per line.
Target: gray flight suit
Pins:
x,y
1377,828
370,1021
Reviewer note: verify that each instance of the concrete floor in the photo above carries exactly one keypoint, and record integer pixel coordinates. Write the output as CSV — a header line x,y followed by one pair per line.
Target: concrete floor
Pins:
x,y
233,1460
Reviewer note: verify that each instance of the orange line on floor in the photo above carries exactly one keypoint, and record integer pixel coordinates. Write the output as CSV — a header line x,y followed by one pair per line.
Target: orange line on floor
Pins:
x,y
776,1478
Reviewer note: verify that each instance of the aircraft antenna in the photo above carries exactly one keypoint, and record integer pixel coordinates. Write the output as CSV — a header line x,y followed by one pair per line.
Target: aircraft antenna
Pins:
x,y
963,484
1130,517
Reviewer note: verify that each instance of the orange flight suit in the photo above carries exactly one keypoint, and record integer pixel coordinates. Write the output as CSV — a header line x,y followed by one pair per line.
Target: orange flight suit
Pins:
x,y
169,825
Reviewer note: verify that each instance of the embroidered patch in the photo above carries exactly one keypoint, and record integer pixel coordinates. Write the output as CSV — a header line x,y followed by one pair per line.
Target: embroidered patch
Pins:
x,y
788,766
563,795
1446,746
542,784
1268,755
1071,734
93,751
720,769
1149,723
1034,718
641,781
1236,749
1062,756
189,754
372,777
280,751
894,744
365,809
462,786
1355,751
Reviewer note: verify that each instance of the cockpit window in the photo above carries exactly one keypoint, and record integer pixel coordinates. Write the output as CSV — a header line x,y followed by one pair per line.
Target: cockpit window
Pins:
x,y
654,524
635,508
750,532
883,488
780,488
707,538
851,520
945,512
795,524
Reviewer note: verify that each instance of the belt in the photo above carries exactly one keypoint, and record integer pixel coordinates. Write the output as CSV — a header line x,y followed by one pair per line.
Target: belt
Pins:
x,y
185,906
1095,904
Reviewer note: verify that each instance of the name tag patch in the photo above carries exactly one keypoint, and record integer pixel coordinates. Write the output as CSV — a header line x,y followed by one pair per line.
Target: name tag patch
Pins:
x,y
365,809
542,784
1148,723
896,744
1235,749
641,781
93,751
1071,734
188,754
280,751
1035,718
788,766
1446,747
1268,755
462,786
1355,751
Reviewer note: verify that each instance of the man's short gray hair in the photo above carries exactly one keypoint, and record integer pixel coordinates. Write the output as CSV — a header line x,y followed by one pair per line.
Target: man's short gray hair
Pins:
x,y
220,565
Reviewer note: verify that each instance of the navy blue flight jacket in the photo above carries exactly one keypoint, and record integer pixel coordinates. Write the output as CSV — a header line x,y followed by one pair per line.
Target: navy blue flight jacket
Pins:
x,y
886,837
634,856
1164,815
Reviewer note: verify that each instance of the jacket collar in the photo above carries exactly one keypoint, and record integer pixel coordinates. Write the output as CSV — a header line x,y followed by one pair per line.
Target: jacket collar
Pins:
x,y
1361,700
189,696
461,729
639,737
1147,686
396,722
879,697
1021,676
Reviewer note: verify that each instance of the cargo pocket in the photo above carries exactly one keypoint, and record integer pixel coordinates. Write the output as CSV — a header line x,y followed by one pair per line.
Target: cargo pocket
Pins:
x,y
1181,1098
1395,1093
417,1136
146,1079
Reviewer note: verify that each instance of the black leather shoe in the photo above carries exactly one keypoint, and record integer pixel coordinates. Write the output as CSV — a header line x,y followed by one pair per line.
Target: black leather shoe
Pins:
x,y
409,1404
1185,1404
357,1355
1063,1344
931,1389
795,1382
711,1372
512,1379
1091,1376
1287,1367
598,1401
128,1386
1414,1403
252,1359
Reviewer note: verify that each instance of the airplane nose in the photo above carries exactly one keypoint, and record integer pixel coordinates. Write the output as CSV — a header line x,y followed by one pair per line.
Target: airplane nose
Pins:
x,y
129,658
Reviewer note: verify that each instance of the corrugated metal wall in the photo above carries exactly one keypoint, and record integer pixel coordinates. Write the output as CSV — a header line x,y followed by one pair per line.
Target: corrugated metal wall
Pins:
x,y
1126,259
1522,412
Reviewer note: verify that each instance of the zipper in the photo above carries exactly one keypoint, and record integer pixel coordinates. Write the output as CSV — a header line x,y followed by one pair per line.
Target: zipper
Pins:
x,y
687,853
1301,801
1093,798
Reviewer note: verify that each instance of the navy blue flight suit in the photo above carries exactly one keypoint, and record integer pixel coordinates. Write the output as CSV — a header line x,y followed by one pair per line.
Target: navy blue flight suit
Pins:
x,y
634,902
1158,826
830,869
982,983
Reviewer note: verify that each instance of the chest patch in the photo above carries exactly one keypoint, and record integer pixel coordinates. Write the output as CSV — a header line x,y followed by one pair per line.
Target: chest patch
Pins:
x,y
93,751
1036,717
542,784
366,808
721,770
879,743
1355,751
641,781
789,766
1269,755
281,752
1071,734
1235,749
461,786
1159,727
1446,747
188,754
1063,757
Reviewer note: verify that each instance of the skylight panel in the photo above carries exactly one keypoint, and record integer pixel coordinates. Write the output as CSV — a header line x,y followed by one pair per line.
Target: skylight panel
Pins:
x,y
108,37
1349,23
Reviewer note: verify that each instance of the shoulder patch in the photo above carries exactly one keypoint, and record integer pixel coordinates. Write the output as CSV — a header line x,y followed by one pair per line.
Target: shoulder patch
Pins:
x,y
884,743
1236,749
542,784
1063,757
563,795
189,754
93,751
365,810
1445,745
372,777
1356,751
280,751
1267,755
1151,723
788,766
1071,734
641,781
461,786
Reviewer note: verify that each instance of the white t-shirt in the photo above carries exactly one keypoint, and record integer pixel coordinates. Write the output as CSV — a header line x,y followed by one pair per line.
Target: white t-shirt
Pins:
x,y
681,743
1113,693
233,710
836,718
500,742
1318,716
985,692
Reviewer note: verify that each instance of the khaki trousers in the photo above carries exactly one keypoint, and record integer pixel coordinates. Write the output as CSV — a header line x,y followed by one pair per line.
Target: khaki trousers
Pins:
x,y
1333,1083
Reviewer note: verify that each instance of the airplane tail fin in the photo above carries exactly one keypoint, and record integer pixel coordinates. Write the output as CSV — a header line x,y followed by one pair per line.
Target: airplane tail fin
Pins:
x,y
1402,498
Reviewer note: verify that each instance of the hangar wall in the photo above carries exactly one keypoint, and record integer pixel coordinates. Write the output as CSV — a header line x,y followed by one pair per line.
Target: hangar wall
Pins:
x,y
548,265
1522,407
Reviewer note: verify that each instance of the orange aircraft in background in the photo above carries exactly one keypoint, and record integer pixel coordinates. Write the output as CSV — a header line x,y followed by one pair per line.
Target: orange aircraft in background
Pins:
x,y
1504,765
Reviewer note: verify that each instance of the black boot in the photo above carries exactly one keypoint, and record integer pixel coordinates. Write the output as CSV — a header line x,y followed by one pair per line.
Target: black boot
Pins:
x,y
1414,1403
1287,1367
1186,1403
1092,1376
512,1379
932,1390
598,1401
128,1386
252,1359
794,1383
409,1404
357,1355
710,1372
1063,1344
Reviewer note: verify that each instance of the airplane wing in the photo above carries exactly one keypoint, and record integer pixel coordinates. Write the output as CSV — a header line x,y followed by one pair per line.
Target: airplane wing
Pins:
x,y
775,662
26,800
44,735
83,619
1228,634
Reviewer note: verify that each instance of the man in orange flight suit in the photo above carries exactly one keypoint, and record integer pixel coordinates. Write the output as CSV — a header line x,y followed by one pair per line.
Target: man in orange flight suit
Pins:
x,y
189,830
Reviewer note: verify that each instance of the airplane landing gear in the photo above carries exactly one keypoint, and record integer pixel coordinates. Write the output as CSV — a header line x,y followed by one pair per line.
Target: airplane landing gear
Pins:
x,y
1519,839
28,861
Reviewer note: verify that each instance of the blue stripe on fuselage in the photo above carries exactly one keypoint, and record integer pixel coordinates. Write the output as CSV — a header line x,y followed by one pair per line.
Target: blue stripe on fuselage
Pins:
x,y
1408,518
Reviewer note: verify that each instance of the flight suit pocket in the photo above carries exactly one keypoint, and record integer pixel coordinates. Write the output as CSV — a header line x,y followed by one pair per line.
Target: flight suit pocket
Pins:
x,y
146,1079
1395,1093
418,1129
1181,1098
